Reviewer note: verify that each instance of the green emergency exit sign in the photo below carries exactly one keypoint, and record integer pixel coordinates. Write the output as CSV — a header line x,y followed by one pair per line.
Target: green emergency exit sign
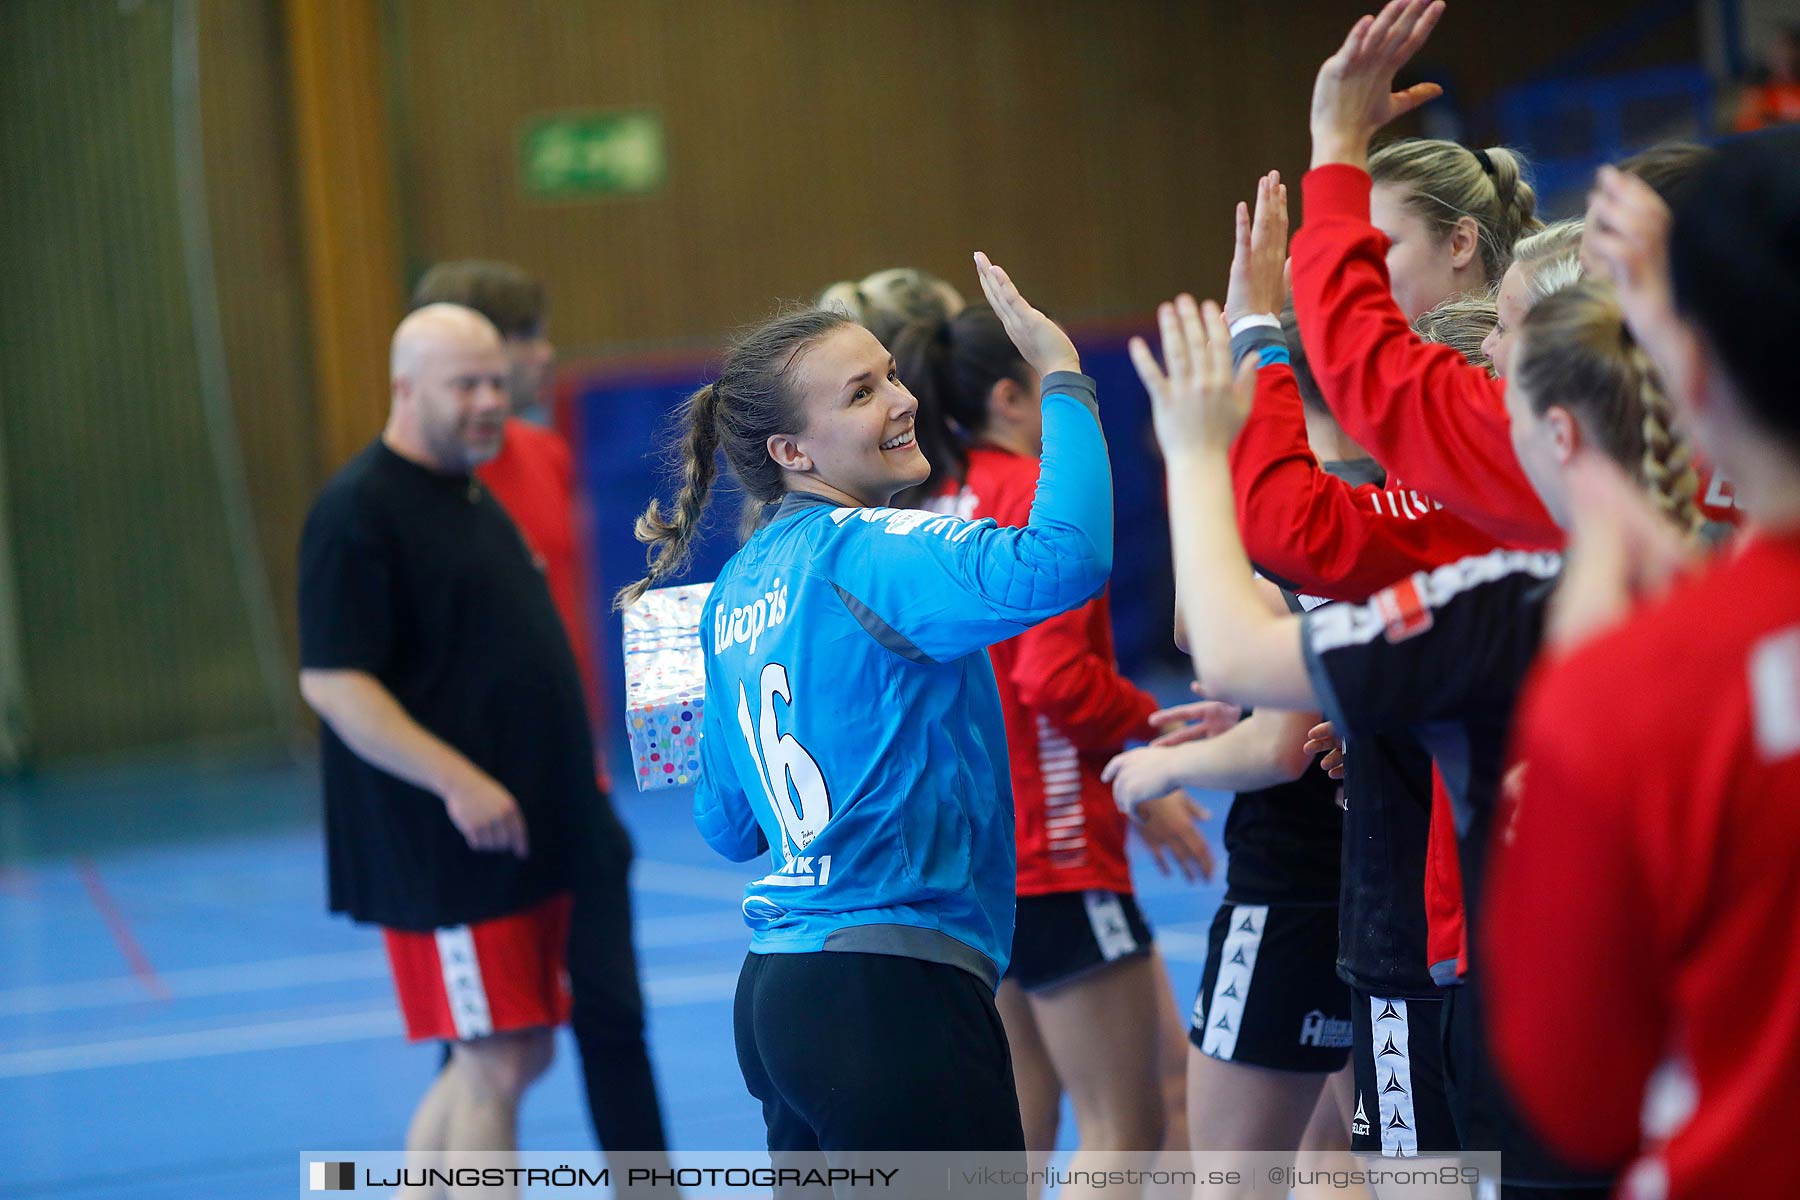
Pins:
x,y
617,152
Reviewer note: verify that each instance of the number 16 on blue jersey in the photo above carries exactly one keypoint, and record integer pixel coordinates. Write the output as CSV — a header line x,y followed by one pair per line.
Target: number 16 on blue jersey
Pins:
x,y
791,779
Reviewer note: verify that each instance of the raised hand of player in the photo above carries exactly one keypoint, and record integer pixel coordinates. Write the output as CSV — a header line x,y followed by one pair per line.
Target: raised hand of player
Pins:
x,y
1626,239
1201,403
487,815
1620,551
1040,341
1323,738
1258,281
1354,94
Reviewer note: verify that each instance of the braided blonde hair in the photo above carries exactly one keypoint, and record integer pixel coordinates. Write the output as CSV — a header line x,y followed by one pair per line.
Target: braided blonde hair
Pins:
x,y
1576,354
1667,468
671,538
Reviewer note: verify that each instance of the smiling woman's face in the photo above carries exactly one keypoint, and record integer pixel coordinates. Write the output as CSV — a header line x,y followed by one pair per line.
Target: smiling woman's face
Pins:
x,y
858,438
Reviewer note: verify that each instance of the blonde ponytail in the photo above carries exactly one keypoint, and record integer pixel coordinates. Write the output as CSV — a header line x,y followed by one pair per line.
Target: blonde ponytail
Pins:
x,y
1446,181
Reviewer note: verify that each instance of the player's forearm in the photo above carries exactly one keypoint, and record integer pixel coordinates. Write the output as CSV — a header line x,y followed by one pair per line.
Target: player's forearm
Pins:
x,y
374,725
1242,652
1263,750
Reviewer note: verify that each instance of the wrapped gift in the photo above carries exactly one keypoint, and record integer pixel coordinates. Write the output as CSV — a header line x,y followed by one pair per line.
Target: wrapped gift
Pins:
x,y
665,685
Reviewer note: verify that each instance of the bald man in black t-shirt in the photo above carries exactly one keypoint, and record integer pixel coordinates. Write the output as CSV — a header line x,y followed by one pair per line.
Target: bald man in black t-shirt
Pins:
x,y
457,759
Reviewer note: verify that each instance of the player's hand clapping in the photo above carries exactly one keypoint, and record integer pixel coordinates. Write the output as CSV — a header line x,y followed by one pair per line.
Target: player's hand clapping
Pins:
x,y
1258,282
1354,95
1041,342
1201,403
1323,738
1192,722
1625,239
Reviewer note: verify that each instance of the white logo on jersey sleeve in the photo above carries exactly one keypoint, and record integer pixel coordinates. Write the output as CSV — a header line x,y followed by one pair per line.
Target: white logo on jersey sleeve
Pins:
x,y
903,521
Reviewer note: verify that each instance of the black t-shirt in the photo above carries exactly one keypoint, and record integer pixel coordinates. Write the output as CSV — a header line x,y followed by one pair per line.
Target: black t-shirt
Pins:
x,y
1283,842
1441,655
420,579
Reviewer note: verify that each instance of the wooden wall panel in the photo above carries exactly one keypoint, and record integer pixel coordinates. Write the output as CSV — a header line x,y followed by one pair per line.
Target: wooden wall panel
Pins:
x,y
134,629
1096,149
345,181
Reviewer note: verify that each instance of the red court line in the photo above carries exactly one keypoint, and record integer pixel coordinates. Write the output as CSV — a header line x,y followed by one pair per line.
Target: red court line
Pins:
x,y
119,928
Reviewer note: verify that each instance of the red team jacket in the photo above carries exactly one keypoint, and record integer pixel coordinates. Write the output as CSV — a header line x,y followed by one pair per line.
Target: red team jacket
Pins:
x,y
1334,539
1643,921
533,478
1067,710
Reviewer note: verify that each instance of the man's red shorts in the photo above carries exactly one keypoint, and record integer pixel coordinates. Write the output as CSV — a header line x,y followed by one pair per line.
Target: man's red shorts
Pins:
x,y
469,981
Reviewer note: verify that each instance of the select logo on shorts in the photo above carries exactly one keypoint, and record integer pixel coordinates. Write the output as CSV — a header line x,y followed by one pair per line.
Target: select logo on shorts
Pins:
x,y
332,1177
1403,610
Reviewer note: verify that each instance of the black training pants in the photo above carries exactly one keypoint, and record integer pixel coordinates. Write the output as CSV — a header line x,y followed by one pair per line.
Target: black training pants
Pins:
x,y
870,1052
608,1018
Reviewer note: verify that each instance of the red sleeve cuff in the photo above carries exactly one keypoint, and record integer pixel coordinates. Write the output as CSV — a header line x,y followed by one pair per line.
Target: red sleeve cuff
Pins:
x,y
1336,190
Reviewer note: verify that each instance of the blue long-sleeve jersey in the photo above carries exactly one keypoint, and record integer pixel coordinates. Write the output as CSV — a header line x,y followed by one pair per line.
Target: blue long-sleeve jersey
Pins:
x,y
853,727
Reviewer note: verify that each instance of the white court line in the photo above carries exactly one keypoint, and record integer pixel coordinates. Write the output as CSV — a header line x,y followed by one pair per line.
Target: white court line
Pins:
x,y
302,970
370,1024
196,981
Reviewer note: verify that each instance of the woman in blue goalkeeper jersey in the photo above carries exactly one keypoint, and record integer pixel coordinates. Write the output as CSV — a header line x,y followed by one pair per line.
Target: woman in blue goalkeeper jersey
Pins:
x,y
853,731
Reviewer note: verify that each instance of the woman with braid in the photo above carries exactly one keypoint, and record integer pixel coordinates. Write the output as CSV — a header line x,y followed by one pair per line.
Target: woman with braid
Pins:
x,y
853,731
1441,654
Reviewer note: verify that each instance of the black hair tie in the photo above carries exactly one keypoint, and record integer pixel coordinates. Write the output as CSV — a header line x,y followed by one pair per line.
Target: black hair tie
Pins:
x,y
1487,164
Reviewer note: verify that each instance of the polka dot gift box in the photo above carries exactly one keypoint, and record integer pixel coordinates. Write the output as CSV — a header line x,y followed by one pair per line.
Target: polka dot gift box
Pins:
x,y
665,685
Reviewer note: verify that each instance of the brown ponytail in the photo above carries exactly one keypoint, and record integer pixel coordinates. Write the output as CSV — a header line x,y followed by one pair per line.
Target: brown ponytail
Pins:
x,y
671,539
737,414
950,365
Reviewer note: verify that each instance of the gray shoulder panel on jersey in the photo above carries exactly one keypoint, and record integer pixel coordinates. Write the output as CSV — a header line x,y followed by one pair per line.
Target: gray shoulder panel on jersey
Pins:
x,y
881,631
911,941
795,502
